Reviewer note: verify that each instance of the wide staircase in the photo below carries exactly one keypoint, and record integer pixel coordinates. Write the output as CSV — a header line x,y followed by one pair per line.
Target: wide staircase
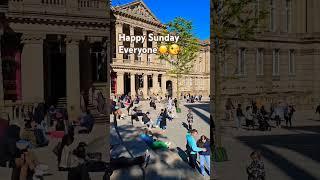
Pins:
x,y
99,117
62,103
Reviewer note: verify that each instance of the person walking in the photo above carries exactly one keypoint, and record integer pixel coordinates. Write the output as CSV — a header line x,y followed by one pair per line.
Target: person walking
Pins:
x,y
204,142
278,113
291,111
256,169
229,108
240,115
190,119
249,117
192,148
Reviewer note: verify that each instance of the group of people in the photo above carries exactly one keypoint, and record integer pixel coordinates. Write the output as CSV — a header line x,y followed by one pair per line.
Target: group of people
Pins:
x,y
17,144
256,115
191,98
201,147
195,148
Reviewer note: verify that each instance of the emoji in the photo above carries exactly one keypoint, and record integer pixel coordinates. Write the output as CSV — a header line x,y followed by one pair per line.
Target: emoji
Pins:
x,y
174,49
163,49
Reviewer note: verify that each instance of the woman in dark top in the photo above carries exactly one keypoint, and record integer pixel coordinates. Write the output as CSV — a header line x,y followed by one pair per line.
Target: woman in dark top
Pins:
x,y
204,156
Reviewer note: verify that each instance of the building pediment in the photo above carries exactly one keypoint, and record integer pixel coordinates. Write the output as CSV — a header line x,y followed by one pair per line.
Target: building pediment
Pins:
x,y
137,9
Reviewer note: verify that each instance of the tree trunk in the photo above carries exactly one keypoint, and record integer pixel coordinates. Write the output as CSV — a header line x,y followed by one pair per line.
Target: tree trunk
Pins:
x,y
217,81
177,91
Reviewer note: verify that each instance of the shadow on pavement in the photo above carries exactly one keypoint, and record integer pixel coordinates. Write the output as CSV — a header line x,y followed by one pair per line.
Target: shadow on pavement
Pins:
x,y
204,107
304,144
312,129
183,155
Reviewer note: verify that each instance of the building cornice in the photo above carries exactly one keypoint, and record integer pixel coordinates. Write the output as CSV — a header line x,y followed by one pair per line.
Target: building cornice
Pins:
x,y
57,21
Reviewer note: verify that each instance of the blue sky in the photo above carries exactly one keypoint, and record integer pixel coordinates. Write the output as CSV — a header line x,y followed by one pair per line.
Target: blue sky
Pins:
x,y
198,11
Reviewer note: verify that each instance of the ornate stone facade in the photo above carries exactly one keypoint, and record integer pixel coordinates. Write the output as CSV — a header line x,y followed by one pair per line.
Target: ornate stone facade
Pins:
x,y
282,63
57,42
147,74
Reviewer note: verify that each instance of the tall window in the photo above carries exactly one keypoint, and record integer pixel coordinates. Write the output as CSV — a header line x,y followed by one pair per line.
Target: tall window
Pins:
x,y
149,60
241,61
288,10
291,62
272,15
259,61
276,62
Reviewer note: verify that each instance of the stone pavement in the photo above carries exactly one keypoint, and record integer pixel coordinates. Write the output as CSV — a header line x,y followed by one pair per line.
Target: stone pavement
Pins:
x,y
288,153
163,164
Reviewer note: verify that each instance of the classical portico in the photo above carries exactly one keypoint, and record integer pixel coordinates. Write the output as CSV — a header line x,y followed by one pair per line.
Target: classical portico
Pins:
x,y
135,74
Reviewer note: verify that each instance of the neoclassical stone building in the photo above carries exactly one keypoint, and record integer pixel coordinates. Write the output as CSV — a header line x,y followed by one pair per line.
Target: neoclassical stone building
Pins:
x,y
282,63
52,50
147,74
198,81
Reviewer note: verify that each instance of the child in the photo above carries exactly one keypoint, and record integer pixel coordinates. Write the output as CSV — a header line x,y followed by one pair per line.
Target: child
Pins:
x,y
190,119
256,170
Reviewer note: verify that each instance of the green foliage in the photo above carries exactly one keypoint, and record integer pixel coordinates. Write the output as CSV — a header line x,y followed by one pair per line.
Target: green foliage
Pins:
x,y
237,19
188,43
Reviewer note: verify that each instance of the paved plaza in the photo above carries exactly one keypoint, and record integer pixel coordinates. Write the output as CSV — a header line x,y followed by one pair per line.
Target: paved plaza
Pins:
x,y
170,164
288,153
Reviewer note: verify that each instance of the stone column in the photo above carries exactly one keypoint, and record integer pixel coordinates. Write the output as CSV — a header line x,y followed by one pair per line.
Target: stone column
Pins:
x,y
32,82
145,85
154,58
163,84
133,84
144,57
119,30
132,44
1,78
155,84
120,82
73,76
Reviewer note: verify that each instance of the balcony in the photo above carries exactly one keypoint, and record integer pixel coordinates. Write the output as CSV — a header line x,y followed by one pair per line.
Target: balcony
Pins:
x,y
96,8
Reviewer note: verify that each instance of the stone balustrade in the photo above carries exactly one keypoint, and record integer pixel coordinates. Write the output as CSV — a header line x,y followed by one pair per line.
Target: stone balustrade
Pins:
x,y
16,111
54,2
59,6
90,3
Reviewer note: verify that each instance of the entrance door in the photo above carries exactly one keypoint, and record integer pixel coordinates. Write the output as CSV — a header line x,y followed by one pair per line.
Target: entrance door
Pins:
x,y
169,88
127,85
55,72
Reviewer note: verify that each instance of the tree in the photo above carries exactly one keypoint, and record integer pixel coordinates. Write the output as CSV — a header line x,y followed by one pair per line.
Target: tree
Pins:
x,y
232,20
182,63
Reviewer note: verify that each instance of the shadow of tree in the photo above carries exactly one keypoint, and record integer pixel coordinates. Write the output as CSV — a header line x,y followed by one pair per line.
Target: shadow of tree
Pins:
x,y
204,107
305,144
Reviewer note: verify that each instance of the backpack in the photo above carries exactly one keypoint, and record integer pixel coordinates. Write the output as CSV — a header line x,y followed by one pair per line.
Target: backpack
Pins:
x,y
189,150
40,139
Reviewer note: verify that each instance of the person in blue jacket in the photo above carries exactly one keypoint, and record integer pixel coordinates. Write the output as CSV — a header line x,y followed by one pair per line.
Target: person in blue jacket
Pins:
x,y
192,148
